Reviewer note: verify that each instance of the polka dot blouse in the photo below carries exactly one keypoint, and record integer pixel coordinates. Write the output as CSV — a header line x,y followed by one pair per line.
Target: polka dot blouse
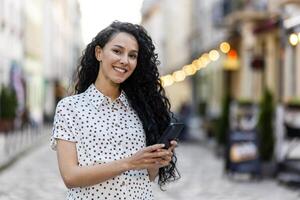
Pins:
x,y
103,131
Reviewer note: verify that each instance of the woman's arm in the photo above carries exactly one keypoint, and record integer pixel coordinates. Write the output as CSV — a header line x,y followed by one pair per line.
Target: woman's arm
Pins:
x,y
153,172
76,176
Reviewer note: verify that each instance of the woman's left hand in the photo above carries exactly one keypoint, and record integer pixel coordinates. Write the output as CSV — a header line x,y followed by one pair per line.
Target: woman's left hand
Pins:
x,y
165,160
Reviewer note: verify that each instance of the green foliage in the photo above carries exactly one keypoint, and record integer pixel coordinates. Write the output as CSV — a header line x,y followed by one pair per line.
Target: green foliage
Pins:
x,y
265,126
223,123
245,102
8,103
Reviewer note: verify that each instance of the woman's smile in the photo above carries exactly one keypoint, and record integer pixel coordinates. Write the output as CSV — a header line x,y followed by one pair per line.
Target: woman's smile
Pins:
x,y
120,69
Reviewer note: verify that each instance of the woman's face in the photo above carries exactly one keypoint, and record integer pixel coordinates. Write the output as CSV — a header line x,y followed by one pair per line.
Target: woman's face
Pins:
x,y
118,58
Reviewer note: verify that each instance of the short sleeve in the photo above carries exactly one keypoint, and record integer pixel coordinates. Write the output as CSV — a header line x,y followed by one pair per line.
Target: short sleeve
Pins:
x,y
63,123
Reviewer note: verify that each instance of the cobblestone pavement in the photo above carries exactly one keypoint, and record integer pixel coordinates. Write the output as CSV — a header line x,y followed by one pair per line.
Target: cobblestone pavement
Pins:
x,y
36,177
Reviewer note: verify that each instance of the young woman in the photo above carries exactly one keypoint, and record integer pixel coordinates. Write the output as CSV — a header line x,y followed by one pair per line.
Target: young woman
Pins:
x,y
106,135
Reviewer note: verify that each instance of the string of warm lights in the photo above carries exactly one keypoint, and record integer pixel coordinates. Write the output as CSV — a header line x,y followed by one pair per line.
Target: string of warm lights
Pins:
x,y
294,39
196,65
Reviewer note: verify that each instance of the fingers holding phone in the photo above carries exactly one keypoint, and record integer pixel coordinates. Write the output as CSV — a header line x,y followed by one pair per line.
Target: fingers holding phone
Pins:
x,y
148,157
167,157
164,160
173,145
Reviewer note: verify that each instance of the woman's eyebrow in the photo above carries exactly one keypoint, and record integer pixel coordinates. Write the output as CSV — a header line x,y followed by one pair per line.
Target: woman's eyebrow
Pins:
x,y
116,45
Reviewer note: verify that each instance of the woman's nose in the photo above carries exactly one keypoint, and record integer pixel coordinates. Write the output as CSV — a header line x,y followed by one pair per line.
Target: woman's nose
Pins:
x,y
124,60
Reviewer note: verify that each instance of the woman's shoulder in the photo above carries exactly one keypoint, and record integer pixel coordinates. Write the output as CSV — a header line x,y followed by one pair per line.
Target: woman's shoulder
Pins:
x,y
70,101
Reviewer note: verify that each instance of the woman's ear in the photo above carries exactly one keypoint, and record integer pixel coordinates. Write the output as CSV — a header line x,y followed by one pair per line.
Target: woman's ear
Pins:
x,y
98,51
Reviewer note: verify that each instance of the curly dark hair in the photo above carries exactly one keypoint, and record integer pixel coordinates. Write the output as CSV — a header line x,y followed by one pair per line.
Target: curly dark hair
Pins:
x,y
143,88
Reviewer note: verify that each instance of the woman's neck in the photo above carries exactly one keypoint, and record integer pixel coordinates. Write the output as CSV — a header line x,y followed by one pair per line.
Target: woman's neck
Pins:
x,y
107,88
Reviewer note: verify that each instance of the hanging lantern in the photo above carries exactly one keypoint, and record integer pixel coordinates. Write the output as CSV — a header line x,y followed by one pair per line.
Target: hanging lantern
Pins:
x,y
232,61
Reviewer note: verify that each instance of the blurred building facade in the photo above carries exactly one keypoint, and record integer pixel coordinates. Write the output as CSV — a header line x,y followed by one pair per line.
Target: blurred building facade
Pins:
x,y
291,25
63,42
33,58
254,32
171,40
258,32
264,51
207,33
11,36
12,33
44,39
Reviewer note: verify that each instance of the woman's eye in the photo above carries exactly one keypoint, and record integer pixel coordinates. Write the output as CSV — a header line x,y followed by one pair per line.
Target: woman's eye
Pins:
x,y
116,51
133,56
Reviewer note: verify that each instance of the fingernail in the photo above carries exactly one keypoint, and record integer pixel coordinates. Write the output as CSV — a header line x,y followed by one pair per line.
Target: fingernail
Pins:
x,y
162,145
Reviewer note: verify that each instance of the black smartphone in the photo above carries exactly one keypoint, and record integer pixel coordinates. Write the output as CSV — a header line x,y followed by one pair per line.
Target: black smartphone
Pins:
x,y
171,133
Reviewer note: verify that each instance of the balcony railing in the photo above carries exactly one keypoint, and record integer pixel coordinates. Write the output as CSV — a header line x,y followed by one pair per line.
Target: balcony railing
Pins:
x,y
231,6
235,10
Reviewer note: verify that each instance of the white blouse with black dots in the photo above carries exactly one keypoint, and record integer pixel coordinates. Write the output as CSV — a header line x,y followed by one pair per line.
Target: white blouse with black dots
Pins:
x,y
103,131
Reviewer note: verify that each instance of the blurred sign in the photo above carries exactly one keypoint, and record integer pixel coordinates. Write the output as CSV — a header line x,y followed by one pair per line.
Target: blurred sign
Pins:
x,y
258,63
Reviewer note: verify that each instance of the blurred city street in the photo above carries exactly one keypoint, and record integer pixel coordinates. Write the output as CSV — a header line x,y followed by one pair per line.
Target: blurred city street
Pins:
x,y
36,176
230,70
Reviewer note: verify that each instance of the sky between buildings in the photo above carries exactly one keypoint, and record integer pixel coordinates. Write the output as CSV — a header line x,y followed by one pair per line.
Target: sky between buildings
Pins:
x,y
97,14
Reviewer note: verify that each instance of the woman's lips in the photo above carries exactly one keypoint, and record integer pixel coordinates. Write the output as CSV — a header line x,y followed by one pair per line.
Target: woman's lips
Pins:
x,y
119,69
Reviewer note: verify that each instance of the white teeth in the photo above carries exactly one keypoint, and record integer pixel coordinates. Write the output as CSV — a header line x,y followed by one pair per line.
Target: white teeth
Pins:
x,y
120,70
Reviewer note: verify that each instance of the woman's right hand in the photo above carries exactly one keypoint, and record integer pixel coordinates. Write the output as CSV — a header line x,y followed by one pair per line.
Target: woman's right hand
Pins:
x,y
147,157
